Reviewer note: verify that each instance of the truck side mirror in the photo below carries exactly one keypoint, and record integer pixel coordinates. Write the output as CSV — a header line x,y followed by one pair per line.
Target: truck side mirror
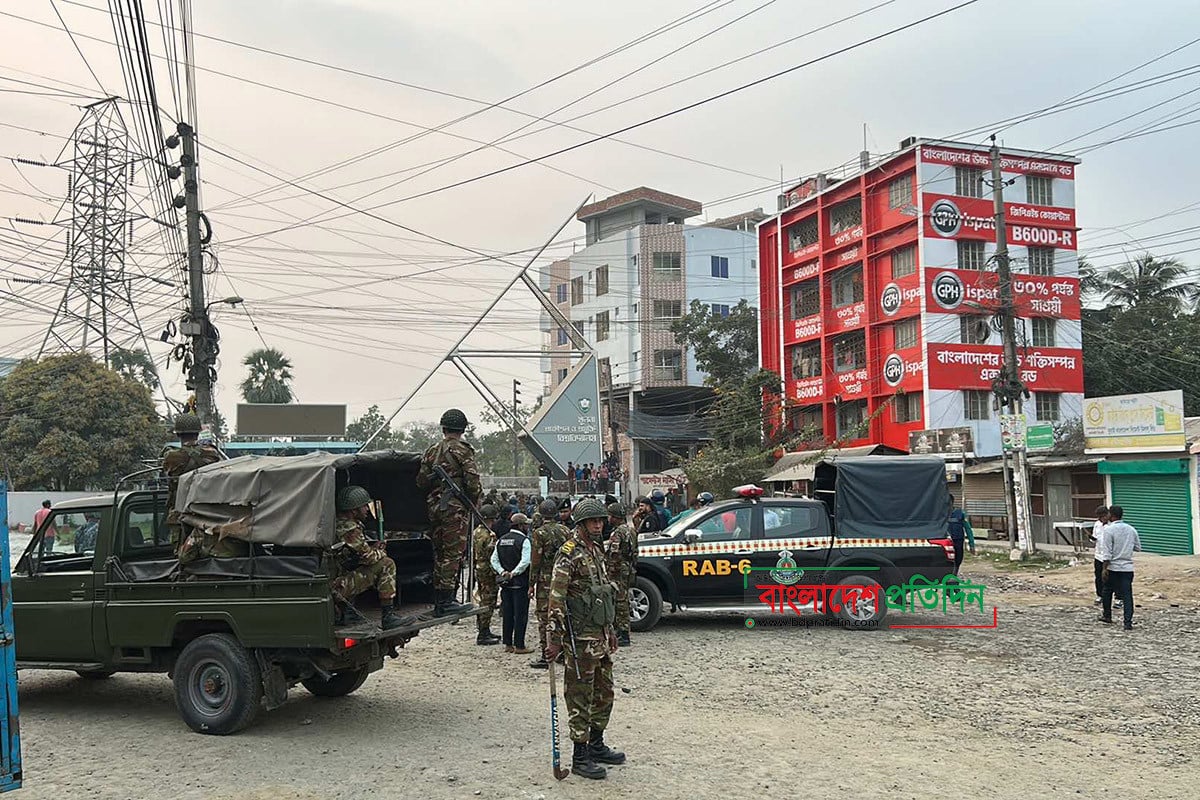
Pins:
x,y
692,535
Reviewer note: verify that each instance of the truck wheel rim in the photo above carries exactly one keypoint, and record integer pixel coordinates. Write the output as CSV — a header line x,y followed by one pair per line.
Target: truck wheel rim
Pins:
x,y
861,611
210,688
639,604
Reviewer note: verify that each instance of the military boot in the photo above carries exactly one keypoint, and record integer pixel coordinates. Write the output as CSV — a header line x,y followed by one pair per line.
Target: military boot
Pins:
x,y
602,753
445,605
347,615
391,619
583,765
486,636
623,639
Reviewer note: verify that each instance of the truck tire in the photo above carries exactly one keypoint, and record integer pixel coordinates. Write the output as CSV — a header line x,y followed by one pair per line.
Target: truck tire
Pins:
x,y
645,604
866,616
218,685
95,674
339,684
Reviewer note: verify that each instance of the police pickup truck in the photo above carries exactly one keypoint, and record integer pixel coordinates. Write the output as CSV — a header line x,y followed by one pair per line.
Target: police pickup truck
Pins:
x,y
875,521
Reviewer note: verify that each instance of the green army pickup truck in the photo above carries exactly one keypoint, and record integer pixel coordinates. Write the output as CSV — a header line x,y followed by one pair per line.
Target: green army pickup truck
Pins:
x,y
99,591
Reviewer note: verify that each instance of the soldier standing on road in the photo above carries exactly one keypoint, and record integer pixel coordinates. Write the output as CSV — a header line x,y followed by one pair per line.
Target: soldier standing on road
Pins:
x,y
483,542
449,517
189,456
363,565
581,626
621,560
545,543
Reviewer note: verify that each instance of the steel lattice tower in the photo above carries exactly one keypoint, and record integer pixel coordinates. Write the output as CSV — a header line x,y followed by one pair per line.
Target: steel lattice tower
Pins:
x,y
96,313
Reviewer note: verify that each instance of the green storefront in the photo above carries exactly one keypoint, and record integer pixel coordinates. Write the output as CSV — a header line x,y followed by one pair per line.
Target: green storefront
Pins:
x,y
1157,498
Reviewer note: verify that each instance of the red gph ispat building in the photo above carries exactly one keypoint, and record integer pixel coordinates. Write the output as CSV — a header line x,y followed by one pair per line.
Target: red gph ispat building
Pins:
x,y
882,287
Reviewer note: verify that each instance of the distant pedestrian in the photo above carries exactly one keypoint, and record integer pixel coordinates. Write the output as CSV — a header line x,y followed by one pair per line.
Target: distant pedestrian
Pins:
x,y
960,529
39,517
510,560
571,478
1102,519
1118,542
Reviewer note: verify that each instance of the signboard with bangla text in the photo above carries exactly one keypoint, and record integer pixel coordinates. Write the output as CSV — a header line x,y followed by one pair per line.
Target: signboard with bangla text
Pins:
x,y
567,426
1151,422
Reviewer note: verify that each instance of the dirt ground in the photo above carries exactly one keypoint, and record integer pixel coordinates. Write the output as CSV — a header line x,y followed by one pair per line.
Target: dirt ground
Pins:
x,y
1050,704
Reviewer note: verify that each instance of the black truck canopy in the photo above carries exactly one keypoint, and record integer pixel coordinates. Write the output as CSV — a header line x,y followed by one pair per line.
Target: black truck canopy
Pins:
x,y
886,496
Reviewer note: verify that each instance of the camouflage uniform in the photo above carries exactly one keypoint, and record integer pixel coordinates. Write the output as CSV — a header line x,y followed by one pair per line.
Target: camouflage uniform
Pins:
x,y
621,559
449,518
483,542
373,568
579,568
181,461
545,543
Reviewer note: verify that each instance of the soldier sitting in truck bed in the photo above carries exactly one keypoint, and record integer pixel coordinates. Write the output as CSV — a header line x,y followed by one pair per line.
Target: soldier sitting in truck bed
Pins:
x,y
362,565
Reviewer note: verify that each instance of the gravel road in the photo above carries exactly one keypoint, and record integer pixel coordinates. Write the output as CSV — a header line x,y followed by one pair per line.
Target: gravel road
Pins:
x,y
1050,704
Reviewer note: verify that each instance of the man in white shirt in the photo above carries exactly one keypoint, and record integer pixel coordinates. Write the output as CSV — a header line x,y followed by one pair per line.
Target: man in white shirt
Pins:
x,y
1102,519
1115,548
511,560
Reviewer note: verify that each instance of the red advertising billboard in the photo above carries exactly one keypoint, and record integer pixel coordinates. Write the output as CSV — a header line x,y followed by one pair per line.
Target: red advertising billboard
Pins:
x,y
807,390
976,366
966,291
981,159
952,217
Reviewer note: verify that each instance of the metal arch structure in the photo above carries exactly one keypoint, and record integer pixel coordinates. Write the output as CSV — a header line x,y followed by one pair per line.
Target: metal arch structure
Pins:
x,y
458,356
96,313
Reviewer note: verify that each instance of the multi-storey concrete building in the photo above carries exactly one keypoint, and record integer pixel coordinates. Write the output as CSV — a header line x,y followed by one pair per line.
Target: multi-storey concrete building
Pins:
x,y
878,293
639,271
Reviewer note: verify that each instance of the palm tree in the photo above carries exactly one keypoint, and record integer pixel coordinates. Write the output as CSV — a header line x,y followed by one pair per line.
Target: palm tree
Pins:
x,y
1147,280
134,365
270,378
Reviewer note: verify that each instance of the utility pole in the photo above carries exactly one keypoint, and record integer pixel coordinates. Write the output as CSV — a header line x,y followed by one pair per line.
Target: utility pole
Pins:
x,y
516,426
196,325
1008,387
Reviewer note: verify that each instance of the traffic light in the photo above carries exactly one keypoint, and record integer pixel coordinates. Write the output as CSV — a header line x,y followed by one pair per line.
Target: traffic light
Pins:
x,y
516,392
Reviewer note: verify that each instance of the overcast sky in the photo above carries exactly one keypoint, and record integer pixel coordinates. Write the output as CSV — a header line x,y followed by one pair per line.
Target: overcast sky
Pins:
x,y
364,307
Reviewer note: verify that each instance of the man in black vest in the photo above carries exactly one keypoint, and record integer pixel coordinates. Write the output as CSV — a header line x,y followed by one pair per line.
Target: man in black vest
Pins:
x,y
510,560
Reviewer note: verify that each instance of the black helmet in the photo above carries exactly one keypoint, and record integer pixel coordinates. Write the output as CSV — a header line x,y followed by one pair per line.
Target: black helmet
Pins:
x,y
454,421
565,505
588,509
658,496
187,423
704,498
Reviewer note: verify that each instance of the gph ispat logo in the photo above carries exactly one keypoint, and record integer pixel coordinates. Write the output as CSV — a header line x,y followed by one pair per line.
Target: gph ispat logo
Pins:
x,y
890,299
948,290
893,369
945,218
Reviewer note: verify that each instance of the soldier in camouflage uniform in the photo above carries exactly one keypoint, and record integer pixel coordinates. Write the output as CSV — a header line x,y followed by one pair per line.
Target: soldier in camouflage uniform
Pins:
x,y
545,543
621,560
362,565
189,456
483,542
450,519
580,625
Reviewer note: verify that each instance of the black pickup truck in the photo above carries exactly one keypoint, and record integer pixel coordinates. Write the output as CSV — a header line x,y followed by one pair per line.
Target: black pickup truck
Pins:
x,y
875,520
99,591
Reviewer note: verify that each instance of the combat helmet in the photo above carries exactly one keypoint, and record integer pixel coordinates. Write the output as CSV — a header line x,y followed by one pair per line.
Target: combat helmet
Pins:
x,y
548,508
352,497
489,511
588,509
617,510
187,423
454,421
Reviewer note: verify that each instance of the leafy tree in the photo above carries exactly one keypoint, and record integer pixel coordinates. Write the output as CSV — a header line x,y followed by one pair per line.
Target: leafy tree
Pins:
x,y
1143,281
136,365
726,347
68,423
270,377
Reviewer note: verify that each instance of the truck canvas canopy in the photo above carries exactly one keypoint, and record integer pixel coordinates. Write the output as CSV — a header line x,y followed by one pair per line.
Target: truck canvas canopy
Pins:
x,y
288,501
887,496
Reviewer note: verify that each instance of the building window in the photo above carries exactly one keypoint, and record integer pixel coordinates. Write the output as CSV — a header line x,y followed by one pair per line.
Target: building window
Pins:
x,y
563,338
845,216
576,290
754,263
973,329
720,309
970,254
633,261
806,361
847,287
1043,332
905,333
968,182
977,404
904,261
667,268
666,312
900,191
851,419
668,365
602,280
637,356
1041,260
849,352
806,299
1039,190
808,421
1046,405
561,292
802,234
602,326
562,375
907,407
720,267
580,327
